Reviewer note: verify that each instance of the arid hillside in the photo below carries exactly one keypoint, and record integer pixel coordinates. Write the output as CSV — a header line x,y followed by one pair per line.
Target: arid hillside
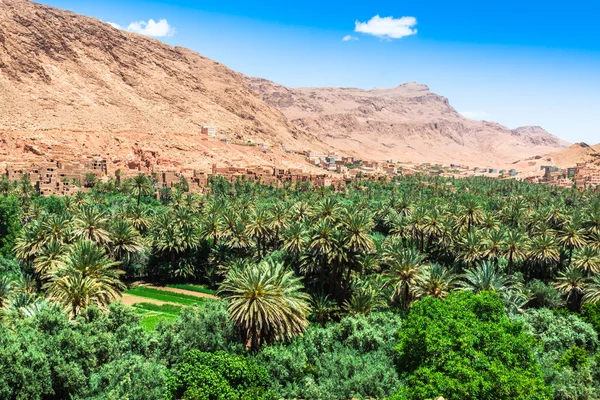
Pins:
x,y
81,79
566,158
408,123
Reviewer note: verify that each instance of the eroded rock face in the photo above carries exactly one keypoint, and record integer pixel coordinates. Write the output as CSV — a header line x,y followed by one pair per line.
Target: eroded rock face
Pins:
x,y
407,122
60,70
73,86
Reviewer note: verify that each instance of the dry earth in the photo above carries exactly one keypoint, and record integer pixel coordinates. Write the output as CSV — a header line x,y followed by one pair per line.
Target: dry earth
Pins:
x,y
408,123
73,86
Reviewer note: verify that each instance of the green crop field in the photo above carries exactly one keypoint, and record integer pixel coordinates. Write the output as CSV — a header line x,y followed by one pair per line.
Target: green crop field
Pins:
x,y
193,288
163,295
152,314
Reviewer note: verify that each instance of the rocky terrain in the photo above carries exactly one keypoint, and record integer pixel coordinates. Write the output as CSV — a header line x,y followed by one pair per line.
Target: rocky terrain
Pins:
x,y
565,158
66,79
73,86
408,123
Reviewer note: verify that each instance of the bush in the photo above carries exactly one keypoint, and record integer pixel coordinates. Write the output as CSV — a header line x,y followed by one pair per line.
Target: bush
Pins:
x,y
129,378
590,313
207,329
465,347
211,376
565,341
350,359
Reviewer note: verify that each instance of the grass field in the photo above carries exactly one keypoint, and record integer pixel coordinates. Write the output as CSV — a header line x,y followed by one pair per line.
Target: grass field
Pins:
x,y
193,288
163,295
152,314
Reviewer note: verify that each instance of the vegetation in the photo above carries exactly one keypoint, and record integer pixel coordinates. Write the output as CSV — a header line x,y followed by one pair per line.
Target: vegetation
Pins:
x,y
411,289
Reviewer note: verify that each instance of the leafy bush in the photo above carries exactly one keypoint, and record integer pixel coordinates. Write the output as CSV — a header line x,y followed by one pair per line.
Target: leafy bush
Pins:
x,y
130,378
208,329
349,359
465,347
575,358
590,313
211,376
565,344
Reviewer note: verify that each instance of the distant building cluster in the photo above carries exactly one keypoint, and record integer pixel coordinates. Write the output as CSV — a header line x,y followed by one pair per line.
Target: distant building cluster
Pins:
x,y
582,176
351,166
58,178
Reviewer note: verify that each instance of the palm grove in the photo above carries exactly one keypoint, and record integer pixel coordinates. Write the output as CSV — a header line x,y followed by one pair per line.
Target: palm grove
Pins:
x,y
370,291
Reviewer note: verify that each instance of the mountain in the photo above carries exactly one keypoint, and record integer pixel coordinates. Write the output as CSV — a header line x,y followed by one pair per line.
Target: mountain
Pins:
x,y
73,85
408,123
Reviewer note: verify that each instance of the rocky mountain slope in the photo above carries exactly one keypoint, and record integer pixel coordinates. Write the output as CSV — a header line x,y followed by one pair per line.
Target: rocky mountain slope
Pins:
x,y
73,86
408,123
565,158
76,76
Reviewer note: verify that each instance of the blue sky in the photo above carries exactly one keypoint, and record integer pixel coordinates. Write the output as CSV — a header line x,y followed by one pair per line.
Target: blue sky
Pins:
x,y
513,61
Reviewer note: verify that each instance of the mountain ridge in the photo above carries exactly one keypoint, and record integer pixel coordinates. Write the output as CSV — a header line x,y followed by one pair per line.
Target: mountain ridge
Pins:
x,y
407,121
77,84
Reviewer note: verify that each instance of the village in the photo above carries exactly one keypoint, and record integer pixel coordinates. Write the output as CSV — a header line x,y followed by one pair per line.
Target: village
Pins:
x,y
60,178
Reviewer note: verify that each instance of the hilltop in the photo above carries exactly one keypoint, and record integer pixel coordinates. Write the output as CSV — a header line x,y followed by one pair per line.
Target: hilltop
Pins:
x,y
408,122
75,82
73,86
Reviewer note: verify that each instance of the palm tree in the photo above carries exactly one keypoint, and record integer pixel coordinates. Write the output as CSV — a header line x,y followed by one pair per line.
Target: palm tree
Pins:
x,y
278,221
212,228
91,224
357,236
30,242
470,214
323,309
484,277
142,186
543,249
49,257
258,229
294,240
266,303
139,217
571,282
403,273
125,241
86,275
494,244
572,236
435,281
470,247
364,300
591,293
515,249
321,247
588,260
6,286
57,227
594,241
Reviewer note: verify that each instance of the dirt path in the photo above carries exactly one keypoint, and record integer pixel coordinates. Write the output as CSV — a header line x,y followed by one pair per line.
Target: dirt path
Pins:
x,y
182,291
130,300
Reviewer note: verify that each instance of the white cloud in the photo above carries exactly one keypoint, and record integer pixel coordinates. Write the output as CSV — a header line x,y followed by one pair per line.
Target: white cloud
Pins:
x,y
152,28
114,25
388,27
349,38
476,115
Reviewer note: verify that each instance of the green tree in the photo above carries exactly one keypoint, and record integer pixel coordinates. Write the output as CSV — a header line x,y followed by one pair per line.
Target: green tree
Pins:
x,y
10,224
86,276
212,376
266,302
465,347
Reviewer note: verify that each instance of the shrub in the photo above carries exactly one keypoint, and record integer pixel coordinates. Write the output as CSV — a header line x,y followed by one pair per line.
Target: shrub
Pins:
x,y
350,359
465,347
220,375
